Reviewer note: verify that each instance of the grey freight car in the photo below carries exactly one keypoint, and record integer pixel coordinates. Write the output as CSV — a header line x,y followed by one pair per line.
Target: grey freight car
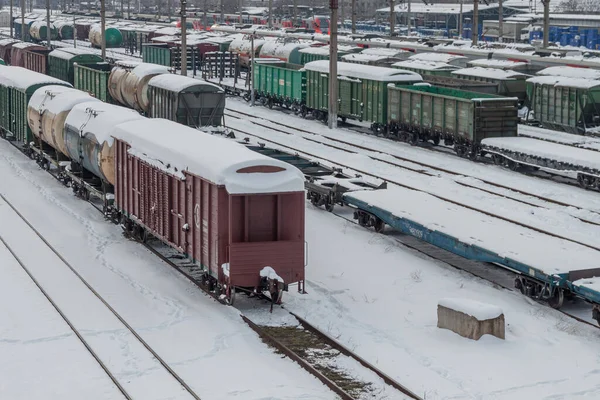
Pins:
x,y
186,100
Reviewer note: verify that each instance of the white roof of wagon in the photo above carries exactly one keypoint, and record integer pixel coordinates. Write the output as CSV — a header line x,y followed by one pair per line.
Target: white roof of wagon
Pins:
x,y
66,53
436,57
175,148
56,99
490,73
365,71
91,117
146,69
495,63
22,78
578,83
571,72
177,83
425,65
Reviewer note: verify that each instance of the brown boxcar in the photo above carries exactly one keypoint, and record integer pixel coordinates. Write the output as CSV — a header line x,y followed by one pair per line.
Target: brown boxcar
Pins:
x,y
19,50
36,60
5,49
230,210
82,29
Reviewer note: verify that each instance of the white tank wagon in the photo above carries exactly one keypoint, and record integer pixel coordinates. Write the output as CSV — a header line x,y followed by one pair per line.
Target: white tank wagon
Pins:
x,y
117,78
134,85
38,31
87,136
48,110
286,52
243,48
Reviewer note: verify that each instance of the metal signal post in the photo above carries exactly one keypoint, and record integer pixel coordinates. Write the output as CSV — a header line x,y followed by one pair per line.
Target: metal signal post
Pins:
x,y
333,82
183,38
475,23
48,30
103,27
11,19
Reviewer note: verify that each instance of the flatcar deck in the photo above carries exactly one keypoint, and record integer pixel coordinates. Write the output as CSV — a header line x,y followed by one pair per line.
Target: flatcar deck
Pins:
x,y
568,139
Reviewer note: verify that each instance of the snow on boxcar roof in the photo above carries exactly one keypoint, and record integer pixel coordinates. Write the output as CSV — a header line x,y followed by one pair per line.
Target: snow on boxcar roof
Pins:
x,y
364,57
424,65
25,45
175,148
578,83
4,42
91,117
437,57
380,51
365,71
67,54
490,73
22,78
494,63
571,72
177,83
145,69
56,99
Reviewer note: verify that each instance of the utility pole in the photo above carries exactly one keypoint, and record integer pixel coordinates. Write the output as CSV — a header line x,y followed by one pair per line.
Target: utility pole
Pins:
x,y
270,13
460,21
23,10
128,9
48,35
205,22
546,22
500,22
295,13
333,81
74,33
252,95
122,13
183,39
409,17
222,12
241,4
103,27
169,9
353,16
11,19
475,23
392,18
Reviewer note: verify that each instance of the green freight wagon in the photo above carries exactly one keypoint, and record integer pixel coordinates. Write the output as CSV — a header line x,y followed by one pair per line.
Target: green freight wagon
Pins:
x,y
17,85
93,79
510,83
362,91
157,53
460,118
426,68
61,62
566,104
2,62
281,84
310,54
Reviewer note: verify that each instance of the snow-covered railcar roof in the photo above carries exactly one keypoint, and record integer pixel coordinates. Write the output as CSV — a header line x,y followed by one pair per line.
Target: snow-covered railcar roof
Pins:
x,y
437,57
99,118
424,65
537,250
571,72
494,63
177,83
5,42
56,99
364,57
489,73
176,148
380,51
25,45
578,83
22,78
67,53
365,71
554,151
145,69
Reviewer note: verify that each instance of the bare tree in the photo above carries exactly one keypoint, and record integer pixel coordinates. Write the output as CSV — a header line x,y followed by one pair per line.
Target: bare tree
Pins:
x,y
579,6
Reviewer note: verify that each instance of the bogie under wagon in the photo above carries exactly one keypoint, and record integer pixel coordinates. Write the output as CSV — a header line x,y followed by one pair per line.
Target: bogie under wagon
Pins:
x,y
235,213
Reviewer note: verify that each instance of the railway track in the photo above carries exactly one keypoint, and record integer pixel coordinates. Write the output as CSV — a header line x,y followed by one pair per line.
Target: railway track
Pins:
x,y
119,382
311,348
407,186
479,269
419,163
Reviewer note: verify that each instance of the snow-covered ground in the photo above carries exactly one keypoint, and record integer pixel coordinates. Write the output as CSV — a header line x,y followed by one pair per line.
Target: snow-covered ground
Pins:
x,y
380,299
473,172
207,344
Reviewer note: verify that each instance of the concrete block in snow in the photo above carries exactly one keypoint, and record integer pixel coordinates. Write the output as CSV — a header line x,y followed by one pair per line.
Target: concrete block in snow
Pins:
x,y
470,319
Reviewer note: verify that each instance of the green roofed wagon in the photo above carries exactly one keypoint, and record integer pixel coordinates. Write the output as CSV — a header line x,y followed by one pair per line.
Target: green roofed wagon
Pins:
x,y
362,91
460,118
61,62
93,79
566,104
16,88
281,84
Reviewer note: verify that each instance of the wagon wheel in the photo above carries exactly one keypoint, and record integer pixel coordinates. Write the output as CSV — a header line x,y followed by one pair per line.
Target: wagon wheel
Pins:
x,y
230,295
329,205
270,103
303,111
557,299
585,181
436,140
513,166
520,286
413,138
314,200
498,159
344,119
379,225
